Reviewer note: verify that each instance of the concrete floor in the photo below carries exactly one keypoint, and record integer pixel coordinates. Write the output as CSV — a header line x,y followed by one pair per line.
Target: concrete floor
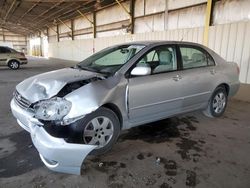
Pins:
x,y
186,151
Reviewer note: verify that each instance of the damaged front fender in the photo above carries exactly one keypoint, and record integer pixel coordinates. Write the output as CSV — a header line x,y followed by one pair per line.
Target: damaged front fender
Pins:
x,y
93,95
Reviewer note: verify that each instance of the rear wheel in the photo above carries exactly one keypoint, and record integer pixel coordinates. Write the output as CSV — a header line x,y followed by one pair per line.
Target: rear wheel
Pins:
x,y
100,128
217,104
13,64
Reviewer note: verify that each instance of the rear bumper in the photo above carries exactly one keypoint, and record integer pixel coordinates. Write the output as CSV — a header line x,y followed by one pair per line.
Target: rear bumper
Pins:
x,y
234,87
23,61
56,153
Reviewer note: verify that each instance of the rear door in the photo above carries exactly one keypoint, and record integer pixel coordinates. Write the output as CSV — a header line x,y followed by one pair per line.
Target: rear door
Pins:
x,y
198,72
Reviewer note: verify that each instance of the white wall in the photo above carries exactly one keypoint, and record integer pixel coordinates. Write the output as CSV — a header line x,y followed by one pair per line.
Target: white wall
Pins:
x,y
228,11
9,44
16,41
71,50
162,20
231,41
228,40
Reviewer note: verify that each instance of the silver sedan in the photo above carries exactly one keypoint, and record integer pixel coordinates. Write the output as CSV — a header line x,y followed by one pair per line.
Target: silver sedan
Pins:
x,y
81,110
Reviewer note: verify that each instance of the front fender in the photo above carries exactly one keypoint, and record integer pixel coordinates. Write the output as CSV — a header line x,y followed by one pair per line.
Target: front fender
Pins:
x,y
93,95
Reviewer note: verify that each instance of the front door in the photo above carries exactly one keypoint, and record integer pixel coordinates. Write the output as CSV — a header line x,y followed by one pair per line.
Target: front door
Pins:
x,y
158,95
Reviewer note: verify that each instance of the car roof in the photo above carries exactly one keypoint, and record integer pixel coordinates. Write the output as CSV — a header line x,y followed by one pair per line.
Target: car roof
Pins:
x,y
161,42
5,47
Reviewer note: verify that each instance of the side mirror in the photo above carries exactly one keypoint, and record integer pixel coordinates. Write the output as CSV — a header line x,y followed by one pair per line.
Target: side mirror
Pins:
x,y
141,71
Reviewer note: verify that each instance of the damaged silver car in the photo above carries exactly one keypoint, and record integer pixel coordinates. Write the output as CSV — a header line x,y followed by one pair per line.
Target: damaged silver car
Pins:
x,y
81,110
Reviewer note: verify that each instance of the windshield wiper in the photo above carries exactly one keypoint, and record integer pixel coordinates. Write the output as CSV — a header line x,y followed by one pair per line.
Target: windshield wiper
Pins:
x,y
92,70
105,73
85,68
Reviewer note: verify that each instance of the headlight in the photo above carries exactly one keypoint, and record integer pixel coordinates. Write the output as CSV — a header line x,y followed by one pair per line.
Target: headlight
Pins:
x,y
52,109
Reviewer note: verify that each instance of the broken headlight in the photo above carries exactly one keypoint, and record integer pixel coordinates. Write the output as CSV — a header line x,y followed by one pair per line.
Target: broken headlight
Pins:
x,y
52,109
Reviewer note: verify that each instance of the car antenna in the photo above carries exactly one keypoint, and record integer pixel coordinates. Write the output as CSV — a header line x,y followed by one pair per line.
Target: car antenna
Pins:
x,y
184,35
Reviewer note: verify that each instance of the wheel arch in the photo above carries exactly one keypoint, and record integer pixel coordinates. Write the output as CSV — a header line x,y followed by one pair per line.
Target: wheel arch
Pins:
x,y
208,111
13,59
116,110
226,86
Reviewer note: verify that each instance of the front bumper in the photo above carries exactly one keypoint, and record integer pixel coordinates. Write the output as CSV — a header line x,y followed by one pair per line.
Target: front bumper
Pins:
x,y
56,153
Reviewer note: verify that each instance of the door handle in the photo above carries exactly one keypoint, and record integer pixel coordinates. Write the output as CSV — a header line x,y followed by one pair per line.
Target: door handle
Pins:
x,y
212,72
177,77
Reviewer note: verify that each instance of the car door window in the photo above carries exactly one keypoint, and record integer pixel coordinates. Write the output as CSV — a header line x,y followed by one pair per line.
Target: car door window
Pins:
x,y
7,50
4,50
148,59
194,58
160,59
152,56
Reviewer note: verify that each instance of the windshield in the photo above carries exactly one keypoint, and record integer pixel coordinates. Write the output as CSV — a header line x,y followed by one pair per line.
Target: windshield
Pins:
x,y
111,59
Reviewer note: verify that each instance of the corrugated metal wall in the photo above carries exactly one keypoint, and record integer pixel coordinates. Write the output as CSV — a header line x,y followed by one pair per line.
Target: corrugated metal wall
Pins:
x,y
16,41
231,41
228,40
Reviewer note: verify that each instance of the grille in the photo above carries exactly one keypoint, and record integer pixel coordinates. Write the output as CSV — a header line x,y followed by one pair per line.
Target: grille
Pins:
x,y
21,101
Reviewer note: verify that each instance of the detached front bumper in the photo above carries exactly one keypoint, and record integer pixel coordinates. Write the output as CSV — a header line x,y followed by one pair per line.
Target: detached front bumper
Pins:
x,y
56,153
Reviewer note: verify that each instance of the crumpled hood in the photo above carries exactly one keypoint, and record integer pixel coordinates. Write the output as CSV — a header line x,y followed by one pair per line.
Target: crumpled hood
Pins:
x,y
46,85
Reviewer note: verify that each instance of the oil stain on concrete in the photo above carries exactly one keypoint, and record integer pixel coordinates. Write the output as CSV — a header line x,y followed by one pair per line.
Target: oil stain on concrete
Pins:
x,y
156,133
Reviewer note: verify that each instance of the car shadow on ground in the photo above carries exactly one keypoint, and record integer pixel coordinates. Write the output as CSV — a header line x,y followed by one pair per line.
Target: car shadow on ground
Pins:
x,y
25,157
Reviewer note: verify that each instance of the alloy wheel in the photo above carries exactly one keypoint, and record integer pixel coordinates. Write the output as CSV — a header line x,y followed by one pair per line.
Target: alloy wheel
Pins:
x,y
219,102
14,65
98,131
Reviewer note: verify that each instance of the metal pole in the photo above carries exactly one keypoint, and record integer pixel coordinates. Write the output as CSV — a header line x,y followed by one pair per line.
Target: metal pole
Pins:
x,y
94,24
72,29
207,22
132,19
57,32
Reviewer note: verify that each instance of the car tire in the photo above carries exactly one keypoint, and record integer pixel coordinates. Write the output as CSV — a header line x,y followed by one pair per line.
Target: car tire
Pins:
x,y
217,103
93,128
13,64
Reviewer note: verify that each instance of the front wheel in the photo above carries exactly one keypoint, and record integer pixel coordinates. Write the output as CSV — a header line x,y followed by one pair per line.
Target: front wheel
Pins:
x,y
100,128
217,104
